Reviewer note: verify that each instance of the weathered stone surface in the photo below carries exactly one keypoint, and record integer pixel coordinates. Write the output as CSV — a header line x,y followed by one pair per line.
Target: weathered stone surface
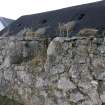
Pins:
x,y
70,72
22,70
88,32
79,81
65,84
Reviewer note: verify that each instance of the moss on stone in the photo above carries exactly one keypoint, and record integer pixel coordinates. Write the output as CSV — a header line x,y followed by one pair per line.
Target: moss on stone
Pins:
x,y
4,100
72,103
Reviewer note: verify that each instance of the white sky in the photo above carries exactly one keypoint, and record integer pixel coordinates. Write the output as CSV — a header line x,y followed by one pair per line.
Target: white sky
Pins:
x,y
16,8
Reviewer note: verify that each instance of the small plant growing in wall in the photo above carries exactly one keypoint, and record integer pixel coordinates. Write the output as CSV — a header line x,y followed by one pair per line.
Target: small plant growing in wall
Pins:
x,y
66,28
40,32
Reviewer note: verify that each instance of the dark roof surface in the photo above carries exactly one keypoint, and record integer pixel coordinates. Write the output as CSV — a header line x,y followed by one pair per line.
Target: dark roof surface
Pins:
x,y
5,21
90,15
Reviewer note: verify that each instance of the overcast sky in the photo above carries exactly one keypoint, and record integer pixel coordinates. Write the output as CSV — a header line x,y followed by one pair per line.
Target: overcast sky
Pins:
x,y
16,8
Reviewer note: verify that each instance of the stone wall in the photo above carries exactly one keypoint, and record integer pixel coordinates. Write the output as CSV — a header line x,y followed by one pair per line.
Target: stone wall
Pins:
x,y
21,66
70,72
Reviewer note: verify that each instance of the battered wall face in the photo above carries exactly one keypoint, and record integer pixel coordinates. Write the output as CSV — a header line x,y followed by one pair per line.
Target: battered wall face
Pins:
x,y
69,72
